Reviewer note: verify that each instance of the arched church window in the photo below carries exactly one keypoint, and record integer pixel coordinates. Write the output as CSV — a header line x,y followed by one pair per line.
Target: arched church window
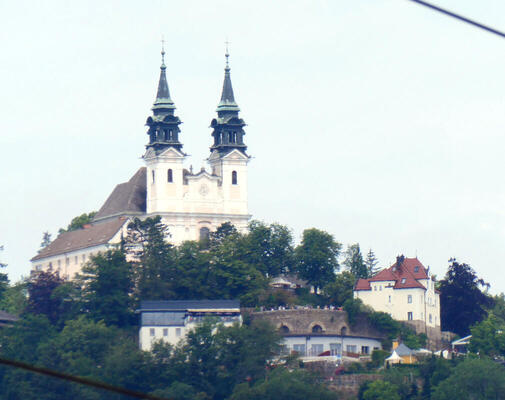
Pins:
x,y
204,234
234,178
317,329
170,177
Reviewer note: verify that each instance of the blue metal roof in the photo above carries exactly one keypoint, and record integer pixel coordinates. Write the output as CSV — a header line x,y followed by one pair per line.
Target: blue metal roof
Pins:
x,y
184,305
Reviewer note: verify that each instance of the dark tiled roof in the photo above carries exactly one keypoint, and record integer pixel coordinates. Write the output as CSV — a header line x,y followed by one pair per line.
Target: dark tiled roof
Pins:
x,y
128,197
406,275
93,235
183,305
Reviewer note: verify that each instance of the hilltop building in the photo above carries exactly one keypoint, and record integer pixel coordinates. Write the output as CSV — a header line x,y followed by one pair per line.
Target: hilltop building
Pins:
x,y
406,291
170,321
190,204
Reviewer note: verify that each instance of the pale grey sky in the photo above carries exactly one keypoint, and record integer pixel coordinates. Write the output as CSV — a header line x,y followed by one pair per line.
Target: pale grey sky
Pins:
x,y
379,121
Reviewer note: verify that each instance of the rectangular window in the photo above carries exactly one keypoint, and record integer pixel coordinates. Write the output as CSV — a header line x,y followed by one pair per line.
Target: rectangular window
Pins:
x,y
380,288
76,259
151,331
375,288
351,348
335,349
178,332
59,263
165,331
390,299
409,299
299,348
365,350
430,319
67,261
410,316
316,349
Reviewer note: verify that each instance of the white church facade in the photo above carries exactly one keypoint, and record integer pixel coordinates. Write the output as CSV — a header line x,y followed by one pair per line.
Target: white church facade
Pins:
x,y
191,204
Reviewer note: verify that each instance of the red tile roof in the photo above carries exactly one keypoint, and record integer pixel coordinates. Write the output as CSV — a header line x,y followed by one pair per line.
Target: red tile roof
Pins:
x,y
94,235
406,275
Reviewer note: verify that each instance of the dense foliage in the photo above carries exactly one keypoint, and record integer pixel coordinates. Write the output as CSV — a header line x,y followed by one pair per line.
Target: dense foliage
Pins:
x,y
87,327
462,300
76,223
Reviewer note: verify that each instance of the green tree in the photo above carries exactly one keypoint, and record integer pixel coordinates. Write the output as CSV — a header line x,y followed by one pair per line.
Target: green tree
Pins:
x,y
230,276
193,267
15,298
472,379
107,288
4,280
154,258
488,337
78,222
381,390
269,248
221,233
46,240
42,294
283,384
340,289
371,263
354,261
462,301
316,257
499,307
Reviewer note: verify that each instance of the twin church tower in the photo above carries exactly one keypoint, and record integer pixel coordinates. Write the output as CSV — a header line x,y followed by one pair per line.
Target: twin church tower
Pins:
x,y
193,204
190,204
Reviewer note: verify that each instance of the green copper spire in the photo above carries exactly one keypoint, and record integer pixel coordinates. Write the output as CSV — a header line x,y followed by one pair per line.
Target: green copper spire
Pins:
x,y
163,124
228,127
163,103
227,102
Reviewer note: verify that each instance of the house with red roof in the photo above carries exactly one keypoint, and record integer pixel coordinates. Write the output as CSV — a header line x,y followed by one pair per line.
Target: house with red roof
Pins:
x,y
406,291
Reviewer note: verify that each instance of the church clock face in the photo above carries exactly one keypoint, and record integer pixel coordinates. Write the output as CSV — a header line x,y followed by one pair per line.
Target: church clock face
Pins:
x,y
204,190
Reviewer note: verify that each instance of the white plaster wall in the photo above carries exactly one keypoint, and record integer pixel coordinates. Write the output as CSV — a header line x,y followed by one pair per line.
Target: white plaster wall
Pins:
x,y
290,341
206,200
70,263
424,302
146,340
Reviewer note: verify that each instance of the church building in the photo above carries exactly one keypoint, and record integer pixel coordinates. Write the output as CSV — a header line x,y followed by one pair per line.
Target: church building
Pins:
x,y
191,204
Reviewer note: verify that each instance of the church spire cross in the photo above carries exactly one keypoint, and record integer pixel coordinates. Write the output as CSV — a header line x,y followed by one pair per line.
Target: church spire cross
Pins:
x,y
163,52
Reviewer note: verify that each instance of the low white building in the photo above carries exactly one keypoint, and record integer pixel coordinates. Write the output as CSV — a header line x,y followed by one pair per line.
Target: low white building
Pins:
x,y
71,250
406,291
315,333
170,321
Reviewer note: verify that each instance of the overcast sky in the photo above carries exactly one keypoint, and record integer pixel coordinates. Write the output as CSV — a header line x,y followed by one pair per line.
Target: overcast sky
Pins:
x,y
379,121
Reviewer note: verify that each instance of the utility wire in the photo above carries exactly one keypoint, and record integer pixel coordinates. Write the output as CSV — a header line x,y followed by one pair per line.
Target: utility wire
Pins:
x,y
78,379
460,17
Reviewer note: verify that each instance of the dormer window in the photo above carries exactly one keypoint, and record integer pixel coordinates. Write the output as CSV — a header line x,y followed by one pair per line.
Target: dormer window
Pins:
x,y
404,280
416,268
